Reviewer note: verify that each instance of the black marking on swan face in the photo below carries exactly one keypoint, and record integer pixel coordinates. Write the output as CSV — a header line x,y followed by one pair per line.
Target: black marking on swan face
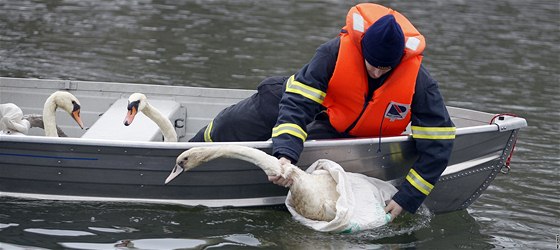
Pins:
x,y
133,104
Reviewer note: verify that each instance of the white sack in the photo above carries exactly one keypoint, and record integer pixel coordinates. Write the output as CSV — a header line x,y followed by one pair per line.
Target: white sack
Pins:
x,y
360,205
11,120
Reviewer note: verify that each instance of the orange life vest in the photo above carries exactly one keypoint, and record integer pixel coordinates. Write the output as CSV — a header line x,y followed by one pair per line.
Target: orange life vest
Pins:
x,y
390,104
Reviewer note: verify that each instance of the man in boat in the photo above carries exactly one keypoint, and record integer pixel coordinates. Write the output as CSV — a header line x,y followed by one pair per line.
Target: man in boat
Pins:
x,y
367,82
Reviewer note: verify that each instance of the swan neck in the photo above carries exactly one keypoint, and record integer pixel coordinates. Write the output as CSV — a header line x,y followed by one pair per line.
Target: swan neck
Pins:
x,y
49,118
269,164
164,124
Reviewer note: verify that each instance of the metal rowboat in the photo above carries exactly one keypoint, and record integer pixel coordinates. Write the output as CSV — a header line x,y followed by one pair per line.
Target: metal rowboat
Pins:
x,y
111,162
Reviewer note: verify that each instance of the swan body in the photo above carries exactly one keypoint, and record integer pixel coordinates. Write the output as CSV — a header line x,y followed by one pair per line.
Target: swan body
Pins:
x,y
314,195
138,102
65,101
12,121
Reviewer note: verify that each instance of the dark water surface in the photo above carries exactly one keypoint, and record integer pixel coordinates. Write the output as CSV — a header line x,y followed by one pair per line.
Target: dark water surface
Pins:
x,y
494,56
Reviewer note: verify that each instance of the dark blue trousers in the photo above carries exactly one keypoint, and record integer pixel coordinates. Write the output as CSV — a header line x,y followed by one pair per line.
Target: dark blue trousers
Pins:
x,y
253,118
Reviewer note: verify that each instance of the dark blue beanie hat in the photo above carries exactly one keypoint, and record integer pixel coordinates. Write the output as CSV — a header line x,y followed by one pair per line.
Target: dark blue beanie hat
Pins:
x,y
383,43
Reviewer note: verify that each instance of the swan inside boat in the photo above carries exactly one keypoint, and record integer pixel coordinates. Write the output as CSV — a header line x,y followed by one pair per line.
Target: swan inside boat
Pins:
x,y
14,122
138,102
65,101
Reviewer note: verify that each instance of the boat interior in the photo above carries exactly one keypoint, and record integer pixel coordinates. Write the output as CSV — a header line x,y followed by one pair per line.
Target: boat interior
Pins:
x,y
104,106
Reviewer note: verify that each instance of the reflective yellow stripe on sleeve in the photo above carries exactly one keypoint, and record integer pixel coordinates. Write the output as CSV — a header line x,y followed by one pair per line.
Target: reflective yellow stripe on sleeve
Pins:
x,y
289,128
293,86
418,182
433,133
207,137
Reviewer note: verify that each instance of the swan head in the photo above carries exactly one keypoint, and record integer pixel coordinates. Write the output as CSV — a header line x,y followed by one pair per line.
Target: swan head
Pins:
x,y
136,102
190,159
68,103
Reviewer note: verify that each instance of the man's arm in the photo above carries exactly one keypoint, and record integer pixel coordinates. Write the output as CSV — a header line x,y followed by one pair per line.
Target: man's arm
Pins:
x,y
302,100
433,133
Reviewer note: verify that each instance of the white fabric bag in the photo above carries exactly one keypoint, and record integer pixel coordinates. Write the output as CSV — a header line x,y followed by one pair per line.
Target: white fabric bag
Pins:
x,y
11,120
360,205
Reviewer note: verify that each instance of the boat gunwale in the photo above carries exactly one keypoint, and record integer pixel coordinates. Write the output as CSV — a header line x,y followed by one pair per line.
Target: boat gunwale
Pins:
x,y
256,144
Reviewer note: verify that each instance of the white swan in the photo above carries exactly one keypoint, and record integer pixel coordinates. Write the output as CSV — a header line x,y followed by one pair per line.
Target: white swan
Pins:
x,y
12,121
139,102
65,101
314,196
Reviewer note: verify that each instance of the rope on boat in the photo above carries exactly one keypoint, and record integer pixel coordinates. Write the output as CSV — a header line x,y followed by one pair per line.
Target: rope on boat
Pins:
x,y
508,168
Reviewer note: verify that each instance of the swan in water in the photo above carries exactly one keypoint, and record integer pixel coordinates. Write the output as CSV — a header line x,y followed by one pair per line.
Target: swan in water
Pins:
x,y
314,195
139,102
65,101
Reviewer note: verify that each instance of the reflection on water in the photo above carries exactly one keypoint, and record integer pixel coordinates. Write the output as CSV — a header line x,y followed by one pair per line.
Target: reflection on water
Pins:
x,y
57,232
83,225
169,243
494,56
108,226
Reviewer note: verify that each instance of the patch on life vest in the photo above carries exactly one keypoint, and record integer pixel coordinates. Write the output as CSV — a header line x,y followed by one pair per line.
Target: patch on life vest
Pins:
x,y
396,111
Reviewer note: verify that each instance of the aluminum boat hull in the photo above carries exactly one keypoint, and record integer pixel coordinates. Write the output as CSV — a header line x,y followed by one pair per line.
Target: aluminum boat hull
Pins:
x,y
79,168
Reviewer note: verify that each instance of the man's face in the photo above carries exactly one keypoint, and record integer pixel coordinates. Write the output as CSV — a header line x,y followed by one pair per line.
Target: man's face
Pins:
x,y
375,72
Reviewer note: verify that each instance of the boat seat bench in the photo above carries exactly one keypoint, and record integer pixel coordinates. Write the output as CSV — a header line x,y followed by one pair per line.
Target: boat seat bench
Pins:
x,y
111,126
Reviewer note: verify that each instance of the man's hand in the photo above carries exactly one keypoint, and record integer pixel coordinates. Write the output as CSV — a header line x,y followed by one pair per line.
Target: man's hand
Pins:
x,y
279,180
394,209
